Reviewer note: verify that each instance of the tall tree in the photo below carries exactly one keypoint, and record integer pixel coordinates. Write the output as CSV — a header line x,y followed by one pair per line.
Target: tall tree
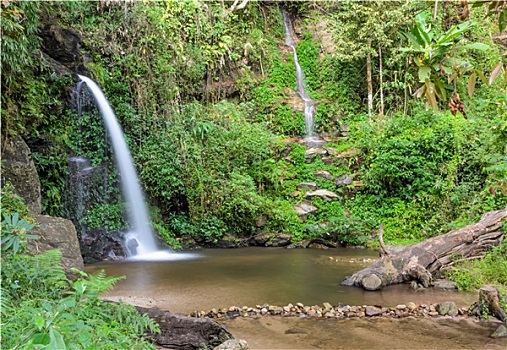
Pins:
x,y
364,29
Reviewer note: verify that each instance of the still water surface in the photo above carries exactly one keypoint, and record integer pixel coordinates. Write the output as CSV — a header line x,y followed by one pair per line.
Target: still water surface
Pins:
x,y
216,278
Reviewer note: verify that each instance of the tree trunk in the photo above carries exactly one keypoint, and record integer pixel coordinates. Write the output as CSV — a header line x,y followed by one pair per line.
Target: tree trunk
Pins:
x,y
369,81
422,260
489,304
381,78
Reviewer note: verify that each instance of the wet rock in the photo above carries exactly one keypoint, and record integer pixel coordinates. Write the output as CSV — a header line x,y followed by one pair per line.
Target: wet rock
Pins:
x,y
301,244
447,308
228,241
262,239
98,245
57,233
445,284
281,240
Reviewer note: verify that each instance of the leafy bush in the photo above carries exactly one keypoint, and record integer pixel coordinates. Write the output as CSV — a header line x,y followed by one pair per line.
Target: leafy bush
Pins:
x,y
41,308
491,269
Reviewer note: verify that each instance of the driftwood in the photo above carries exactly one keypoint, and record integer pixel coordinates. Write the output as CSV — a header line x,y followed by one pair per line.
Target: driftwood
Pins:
x,y
422,260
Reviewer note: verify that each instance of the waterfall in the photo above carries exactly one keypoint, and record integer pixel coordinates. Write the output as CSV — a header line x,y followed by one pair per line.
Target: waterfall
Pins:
x,y
140,226
309,109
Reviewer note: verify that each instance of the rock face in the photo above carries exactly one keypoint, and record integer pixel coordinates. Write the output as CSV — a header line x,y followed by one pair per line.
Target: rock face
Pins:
x,y
57,233
63,46
186,333
99,245
19,168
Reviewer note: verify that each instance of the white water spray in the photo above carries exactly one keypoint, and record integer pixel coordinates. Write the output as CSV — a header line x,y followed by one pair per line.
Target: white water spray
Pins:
x,y
309,109
139,221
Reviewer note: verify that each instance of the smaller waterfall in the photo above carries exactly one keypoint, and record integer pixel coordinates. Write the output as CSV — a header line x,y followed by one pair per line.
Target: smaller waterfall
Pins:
x,y
309,109
141,230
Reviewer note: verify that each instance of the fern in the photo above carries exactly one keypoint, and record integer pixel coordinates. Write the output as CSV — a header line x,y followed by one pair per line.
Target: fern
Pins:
x,y
28,277
91,286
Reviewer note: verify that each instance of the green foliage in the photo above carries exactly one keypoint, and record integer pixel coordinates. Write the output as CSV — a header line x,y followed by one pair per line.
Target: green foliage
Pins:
x,y
12,203
51,164
19,24
108,216
41,308
432,57
15,233
167,235
491,269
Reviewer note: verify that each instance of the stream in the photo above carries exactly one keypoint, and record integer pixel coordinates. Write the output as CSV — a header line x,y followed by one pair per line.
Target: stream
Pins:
x,y
216,278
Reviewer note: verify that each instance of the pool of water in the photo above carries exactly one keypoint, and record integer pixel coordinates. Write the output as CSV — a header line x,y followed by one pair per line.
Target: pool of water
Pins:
x,y
216,278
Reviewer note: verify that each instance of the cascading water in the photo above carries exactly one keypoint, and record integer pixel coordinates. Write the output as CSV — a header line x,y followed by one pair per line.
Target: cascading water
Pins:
x,y
309,110
140,227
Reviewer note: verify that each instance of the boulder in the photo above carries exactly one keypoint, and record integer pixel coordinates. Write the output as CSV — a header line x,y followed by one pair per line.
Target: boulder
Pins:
x,y
324,174
19,169
280,240
447,308
343,180
314,150
307,185
57,233
351,152
305,208
98,245
325,194
184,332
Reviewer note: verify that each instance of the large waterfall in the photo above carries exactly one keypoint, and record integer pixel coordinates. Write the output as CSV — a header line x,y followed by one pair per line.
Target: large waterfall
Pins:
x,y
309,110
140,227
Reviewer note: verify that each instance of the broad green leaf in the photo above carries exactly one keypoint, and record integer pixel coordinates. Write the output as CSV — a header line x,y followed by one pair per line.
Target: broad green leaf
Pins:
x,y
452,77
56,340
476,46
40,339
495,72
424,73
471,84
39,321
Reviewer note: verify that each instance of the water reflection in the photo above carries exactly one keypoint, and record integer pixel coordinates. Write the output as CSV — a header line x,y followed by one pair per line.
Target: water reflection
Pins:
x,y
251,276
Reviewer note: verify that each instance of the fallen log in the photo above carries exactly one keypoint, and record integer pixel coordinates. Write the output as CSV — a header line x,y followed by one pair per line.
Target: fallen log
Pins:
x,y
421,261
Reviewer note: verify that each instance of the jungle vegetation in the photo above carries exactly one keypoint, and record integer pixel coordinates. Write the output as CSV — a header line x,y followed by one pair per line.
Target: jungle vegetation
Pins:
x,y
201,90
